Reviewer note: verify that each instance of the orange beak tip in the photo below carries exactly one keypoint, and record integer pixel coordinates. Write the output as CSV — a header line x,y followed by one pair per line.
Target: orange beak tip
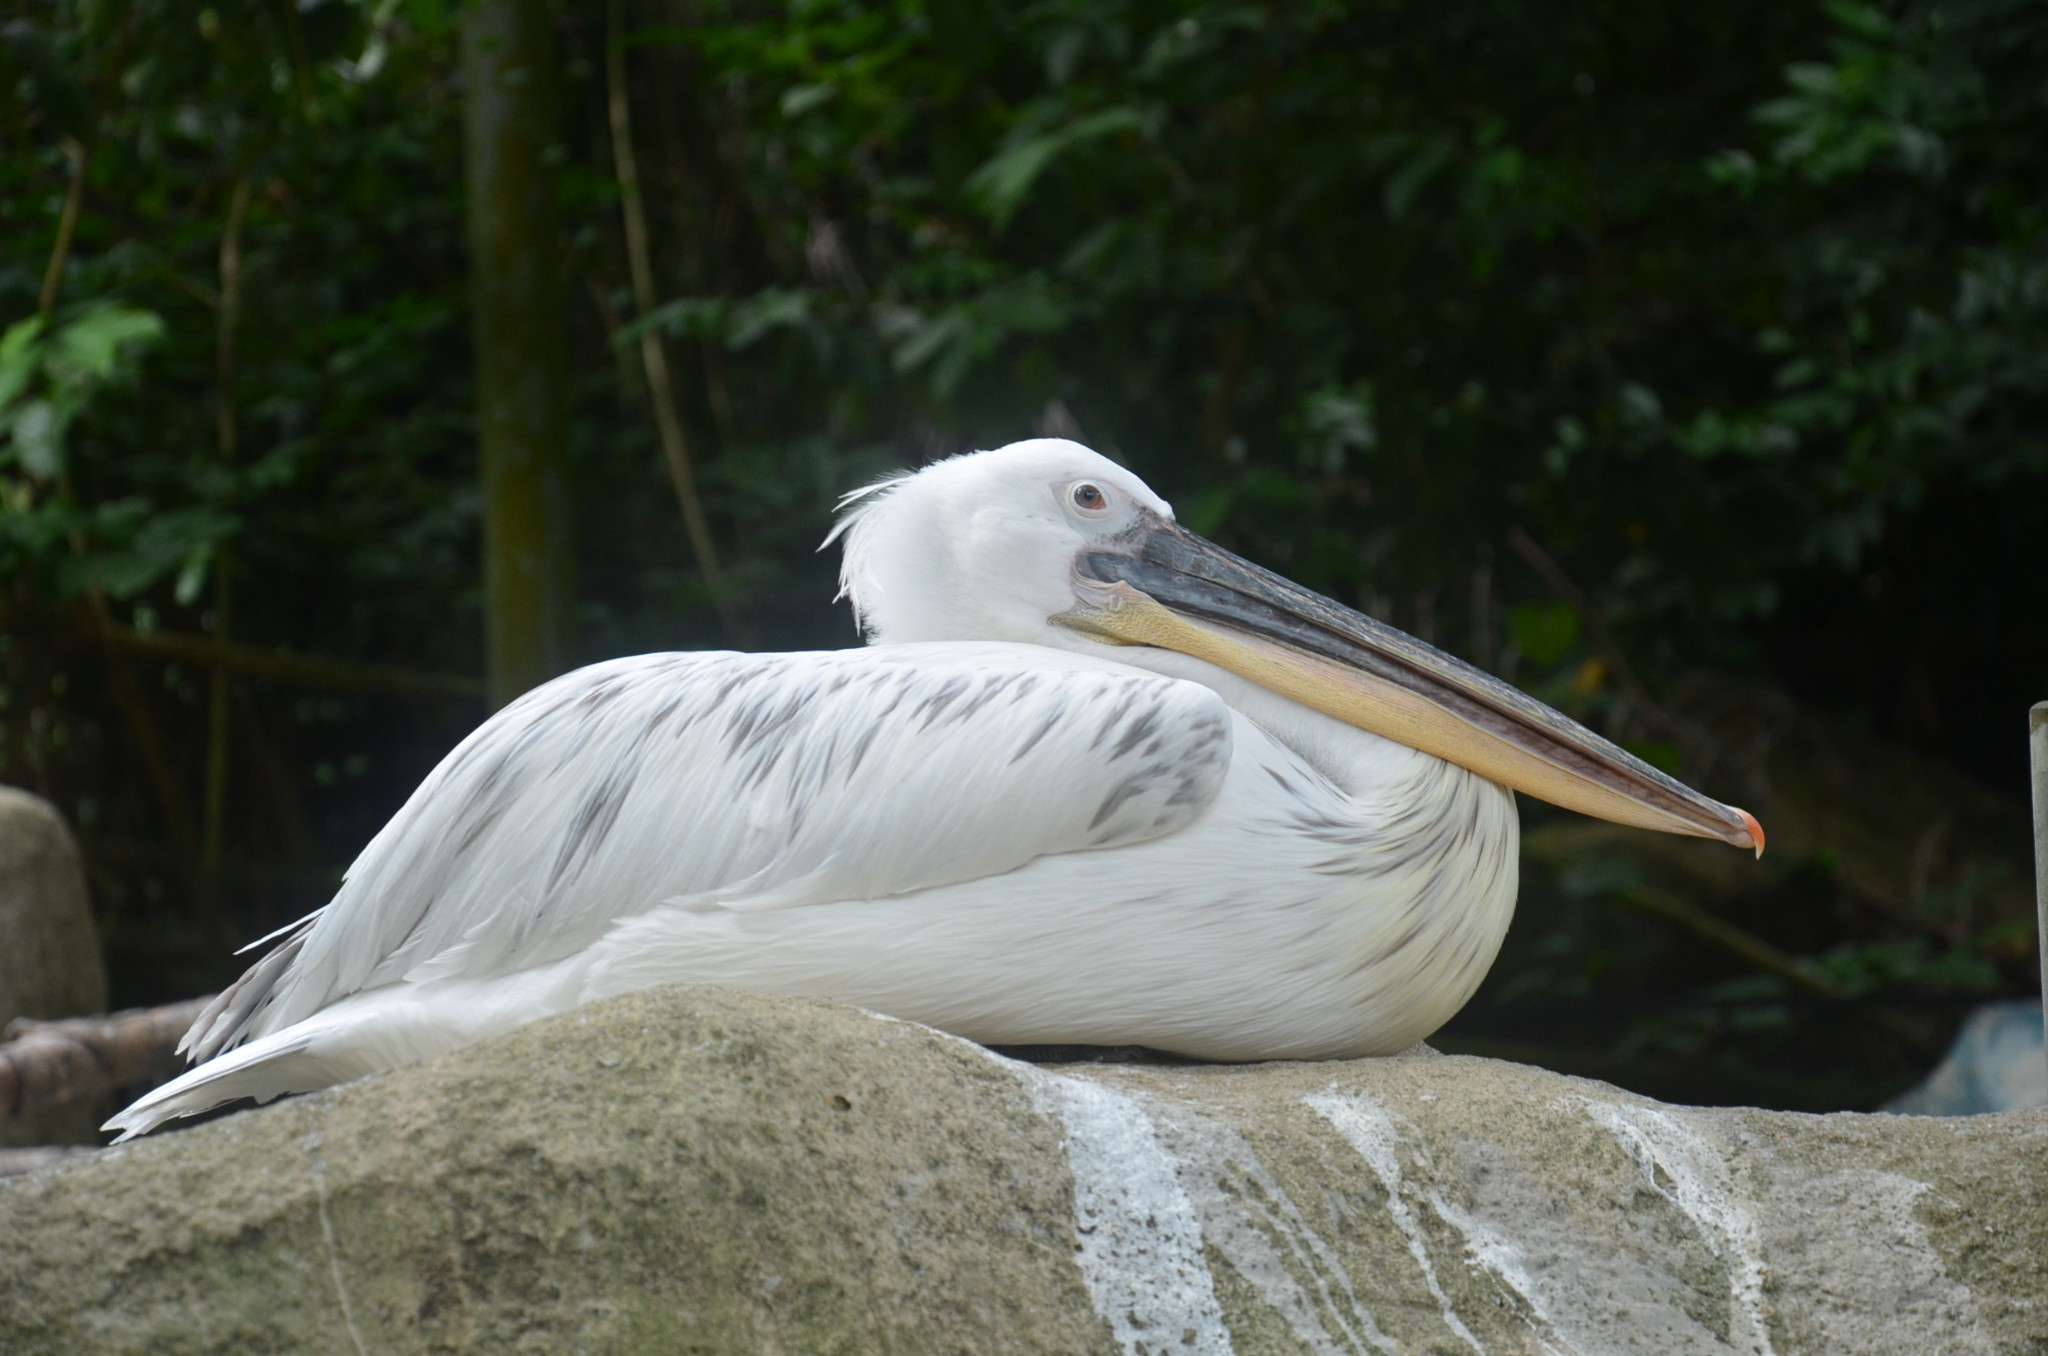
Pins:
x,y
1756,831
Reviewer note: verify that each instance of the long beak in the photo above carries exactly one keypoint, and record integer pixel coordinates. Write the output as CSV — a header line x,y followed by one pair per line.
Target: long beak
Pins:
x,y
1164,586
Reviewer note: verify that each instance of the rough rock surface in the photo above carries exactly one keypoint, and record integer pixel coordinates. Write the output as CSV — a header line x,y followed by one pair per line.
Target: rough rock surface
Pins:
x,y
690,1170
49,955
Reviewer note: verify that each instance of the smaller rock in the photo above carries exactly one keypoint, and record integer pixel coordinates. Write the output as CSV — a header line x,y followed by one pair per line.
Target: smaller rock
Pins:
x,y
50,962
1998,1063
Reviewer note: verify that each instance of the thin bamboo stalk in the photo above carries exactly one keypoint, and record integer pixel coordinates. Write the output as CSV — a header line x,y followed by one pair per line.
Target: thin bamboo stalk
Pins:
x,y
227,436
668,424
67,225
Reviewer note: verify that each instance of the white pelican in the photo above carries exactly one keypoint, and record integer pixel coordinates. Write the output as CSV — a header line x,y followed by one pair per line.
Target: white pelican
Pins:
x,y
1095,781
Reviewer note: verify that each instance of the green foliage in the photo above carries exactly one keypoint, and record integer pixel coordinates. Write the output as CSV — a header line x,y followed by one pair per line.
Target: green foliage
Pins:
x,y
188,101
302,448
46,381
1474,286
1908,343
1546,632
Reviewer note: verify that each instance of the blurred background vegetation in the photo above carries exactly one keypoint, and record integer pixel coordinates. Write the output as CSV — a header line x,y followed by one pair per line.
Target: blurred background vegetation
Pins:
x,y
1685,364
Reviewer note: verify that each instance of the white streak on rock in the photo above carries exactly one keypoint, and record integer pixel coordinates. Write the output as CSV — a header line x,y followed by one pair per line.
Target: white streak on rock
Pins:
x,y
1495,1252
1249,1218
1140,1240
1701,1186
1371,1130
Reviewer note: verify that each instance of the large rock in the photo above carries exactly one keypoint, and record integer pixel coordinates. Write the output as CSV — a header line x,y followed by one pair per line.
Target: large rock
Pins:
x,y
49,954
700,1171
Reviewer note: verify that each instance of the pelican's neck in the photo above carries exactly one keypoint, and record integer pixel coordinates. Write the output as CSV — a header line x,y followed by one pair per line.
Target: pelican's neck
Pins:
x,y
1357,761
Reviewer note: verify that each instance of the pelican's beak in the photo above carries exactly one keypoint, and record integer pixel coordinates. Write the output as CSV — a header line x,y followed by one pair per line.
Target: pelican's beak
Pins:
x,y
1162,585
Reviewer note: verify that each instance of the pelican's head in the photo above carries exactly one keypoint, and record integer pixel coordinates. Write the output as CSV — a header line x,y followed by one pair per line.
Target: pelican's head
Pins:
x,y
1045,542
985,546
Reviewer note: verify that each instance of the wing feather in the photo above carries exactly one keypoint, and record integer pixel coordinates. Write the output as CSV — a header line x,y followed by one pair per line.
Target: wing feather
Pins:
x,y
737,781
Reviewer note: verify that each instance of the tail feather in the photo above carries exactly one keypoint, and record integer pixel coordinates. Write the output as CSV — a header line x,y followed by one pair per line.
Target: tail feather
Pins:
x,y
225,1020
364,1033
263,1070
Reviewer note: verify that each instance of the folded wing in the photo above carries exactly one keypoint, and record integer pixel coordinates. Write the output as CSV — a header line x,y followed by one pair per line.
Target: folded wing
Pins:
x,y
739,781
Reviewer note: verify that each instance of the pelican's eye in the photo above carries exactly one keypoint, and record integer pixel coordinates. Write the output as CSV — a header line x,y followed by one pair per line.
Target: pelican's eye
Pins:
x,y
1088,495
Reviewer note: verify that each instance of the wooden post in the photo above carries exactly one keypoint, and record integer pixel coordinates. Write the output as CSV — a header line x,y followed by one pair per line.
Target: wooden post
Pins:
x,y
521,331
2037,739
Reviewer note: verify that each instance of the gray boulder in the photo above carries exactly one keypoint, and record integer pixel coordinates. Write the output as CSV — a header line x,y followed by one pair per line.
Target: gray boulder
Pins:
x,y
691,1170
50,962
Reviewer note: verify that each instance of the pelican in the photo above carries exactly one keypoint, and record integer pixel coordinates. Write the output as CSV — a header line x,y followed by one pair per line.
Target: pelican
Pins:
x,y
1093,781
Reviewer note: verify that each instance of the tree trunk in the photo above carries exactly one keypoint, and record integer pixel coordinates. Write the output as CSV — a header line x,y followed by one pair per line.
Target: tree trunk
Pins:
x,y
520,313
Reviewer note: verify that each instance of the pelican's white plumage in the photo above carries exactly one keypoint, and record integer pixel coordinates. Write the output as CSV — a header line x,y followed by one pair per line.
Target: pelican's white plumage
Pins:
x,y
986,821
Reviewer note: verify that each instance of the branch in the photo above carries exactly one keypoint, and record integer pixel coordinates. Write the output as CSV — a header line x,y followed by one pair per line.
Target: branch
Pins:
x,y
1729,937
668,423
1761,954
50,1064
309,670
632,381
1596,629
67,223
